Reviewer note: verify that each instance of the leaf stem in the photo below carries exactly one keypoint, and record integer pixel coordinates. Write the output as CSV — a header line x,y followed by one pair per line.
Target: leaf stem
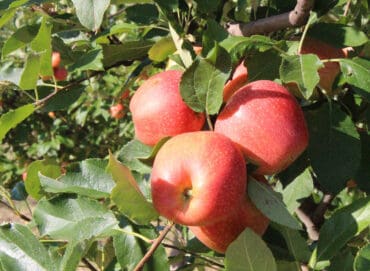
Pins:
x,y
142,237
209,122
154,246
311,18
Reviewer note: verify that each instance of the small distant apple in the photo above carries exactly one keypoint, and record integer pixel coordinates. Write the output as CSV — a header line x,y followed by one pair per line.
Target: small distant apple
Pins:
x,y
117,111
60,73
24,175
55,59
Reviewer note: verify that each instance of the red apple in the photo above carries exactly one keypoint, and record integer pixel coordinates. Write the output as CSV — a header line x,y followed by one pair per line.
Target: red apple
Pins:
x,y
60,74
267,123
219,235
198,178
239,79
55,59
116,111
158,109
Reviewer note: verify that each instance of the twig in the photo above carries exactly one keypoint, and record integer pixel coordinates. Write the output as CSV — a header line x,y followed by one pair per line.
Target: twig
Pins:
x,y
311,228
153,247
346,9
194,254
22,216
295,18
89,265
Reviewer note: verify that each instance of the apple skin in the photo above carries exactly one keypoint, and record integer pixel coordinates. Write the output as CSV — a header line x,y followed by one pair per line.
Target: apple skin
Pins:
x,y
198,178
158,110
239,79
325,51
267,123
219,235
55,59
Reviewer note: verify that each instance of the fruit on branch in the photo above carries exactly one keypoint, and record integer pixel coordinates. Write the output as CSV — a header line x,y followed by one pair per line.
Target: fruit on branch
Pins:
x,y
158,110
24,175
267,123
325,51
239,79
55,59
198,178
117,111
60,73
219,235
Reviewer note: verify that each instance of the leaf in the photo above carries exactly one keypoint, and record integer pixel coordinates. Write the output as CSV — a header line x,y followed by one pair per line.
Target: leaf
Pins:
x,y
86,178
342,261
47,167
73,219
30,73
339,35
20,250
302,70
12,118
214,33
185,55
129,50
362,260
249,253
356,72
63,99
91,12
256,71
333,138
6,16
162,49
142,14
343,225
270,203
20,38
296,191
73,254
362,176
202,83
92,60
42,45
127,195
288,266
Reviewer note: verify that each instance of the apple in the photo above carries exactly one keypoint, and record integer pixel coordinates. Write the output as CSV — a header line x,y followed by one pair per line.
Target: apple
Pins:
x,y
239,79
60,73
219,235
55,59
267,123
325,51
158,110
116,111
24,175
198,178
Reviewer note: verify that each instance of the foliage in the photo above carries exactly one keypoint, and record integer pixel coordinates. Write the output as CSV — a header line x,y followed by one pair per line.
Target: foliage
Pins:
x,y
95,209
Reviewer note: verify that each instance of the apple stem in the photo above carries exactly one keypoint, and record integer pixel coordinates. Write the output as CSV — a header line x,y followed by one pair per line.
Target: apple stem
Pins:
x,y
153,247
209,122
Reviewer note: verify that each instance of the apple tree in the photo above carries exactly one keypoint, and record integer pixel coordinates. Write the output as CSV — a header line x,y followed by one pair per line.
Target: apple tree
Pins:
x,y
75,180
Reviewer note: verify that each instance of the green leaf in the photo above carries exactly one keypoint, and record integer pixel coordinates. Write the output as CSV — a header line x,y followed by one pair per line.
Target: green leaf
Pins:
x,y
362,260
63,99
132,153
6,16
343,225
202,83
47,167
12,118
91,12
356,72
20,250
339,35
129,50
270,203
30,73
20,38
180,44
249,253
162,49
142,14
362,176
342,261
73,219
296,191
87,178
92,60
127,195
333,138
214,33
288,266
302,70
73,254
256,71
42,45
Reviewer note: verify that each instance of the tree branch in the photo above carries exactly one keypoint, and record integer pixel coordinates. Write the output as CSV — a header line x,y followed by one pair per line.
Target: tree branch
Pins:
x,y
318,214
22,216
153,247
311,228
295,18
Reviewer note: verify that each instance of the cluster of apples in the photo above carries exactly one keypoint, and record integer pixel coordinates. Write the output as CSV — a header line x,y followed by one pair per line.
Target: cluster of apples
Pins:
x,y
60,73
199,177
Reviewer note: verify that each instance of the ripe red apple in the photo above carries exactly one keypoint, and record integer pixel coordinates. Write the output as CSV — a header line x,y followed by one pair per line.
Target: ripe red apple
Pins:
x,y
60,73
239,79
158,109
267,123
198,178
116,111
219,235
55,59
